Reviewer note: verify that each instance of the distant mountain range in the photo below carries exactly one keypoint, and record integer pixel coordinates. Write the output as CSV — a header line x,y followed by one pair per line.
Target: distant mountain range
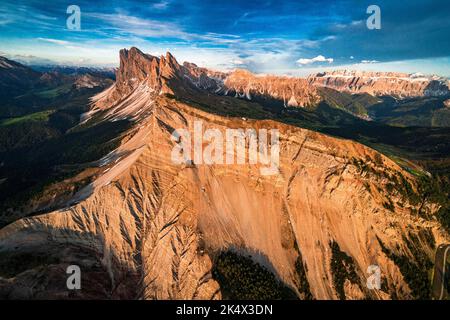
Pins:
x,y
393,98
71,70
86,172
23,89
400,85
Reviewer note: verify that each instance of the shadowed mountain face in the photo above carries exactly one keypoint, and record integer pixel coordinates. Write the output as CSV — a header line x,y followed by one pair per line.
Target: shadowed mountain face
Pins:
x,y
15,78
40,141
141,226
24,90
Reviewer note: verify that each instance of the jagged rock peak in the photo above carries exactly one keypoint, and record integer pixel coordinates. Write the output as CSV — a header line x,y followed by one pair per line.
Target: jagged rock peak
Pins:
x,y
171,59
138,68
134,66
136,63
165,75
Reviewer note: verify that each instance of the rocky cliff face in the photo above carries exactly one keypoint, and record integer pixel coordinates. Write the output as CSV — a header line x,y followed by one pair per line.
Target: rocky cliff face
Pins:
x,y
137,68
382,83
149,228
166,75
294,92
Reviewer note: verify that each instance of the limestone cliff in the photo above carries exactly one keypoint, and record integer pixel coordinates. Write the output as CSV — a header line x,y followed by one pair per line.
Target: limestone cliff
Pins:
x,y
382,83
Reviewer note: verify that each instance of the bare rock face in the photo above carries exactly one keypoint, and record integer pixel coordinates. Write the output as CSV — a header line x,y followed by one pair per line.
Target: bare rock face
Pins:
x,y
382,83
294,92
165,75
136,66
151,229
204,78
89,81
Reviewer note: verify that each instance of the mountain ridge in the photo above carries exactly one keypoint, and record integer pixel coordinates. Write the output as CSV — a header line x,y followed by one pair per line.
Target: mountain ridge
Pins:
x,y
396,84
147,228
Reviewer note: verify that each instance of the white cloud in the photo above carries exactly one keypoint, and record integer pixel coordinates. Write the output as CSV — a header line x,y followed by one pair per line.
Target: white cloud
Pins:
x,y
369,61
161,5
319,58
141,27
237,62
357,22
55,41
125,25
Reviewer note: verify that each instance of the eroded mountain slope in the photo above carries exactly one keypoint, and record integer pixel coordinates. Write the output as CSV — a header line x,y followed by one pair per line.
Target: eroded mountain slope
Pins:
x,y
149,228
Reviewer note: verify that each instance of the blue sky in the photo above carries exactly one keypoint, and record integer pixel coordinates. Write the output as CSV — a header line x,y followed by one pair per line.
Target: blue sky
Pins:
x,y
281,37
